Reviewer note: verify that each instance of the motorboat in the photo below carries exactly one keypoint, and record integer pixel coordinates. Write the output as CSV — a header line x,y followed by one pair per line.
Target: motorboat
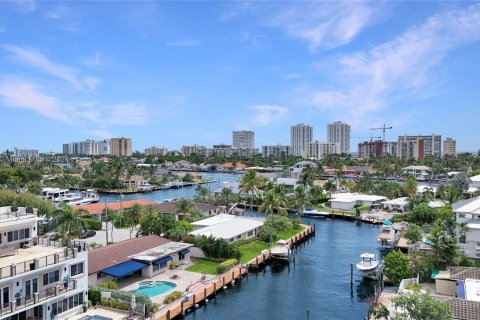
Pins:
x,y
91,195
53,194
72,200
281,250
386,238
313,213
145,187
369,266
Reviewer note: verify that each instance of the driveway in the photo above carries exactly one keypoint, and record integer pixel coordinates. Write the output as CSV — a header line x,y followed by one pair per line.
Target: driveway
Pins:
x,y
118,235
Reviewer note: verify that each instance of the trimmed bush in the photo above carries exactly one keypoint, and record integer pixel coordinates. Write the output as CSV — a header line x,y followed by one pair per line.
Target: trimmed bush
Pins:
x,y
92,224
94,295
116,304
109,285
226,265
126,296
175,295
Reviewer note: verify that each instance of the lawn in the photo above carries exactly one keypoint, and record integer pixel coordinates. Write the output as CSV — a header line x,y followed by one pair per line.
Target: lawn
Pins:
x,y
251,250
321,207
285,235
204,266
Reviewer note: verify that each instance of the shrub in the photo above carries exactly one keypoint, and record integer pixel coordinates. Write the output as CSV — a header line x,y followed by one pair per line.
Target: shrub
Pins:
x,y
278,222
217,248
226,265
94,295
109,285
413,287
296,222
92,224
267,233
126,297
116,304
175,295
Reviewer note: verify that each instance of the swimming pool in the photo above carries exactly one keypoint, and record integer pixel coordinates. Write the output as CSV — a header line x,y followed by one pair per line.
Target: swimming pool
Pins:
x,y
95,317
154,288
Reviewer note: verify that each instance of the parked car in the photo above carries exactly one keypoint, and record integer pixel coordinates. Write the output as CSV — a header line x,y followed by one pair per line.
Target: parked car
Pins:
x,y
88,234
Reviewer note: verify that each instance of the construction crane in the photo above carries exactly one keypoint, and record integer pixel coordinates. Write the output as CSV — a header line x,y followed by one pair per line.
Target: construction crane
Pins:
x,y
371,138
383,129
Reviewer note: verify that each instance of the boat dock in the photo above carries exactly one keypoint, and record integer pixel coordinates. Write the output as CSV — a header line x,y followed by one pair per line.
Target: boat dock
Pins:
x,y
201,294
165,187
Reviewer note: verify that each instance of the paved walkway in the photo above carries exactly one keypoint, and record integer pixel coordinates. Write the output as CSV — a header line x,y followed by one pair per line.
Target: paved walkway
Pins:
x,y
118,235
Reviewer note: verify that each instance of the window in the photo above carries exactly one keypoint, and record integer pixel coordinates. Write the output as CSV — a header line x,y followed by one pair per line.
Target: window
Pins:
x,y
76,269
16,235
239,237
67,303
250,233
51,277
156,267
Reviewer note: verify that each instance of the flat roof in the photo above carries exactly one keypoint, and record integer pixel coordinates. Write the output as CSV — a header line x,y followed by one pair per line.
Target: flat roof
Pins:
x,y
28,254
160,251
468,206
472,289
398,201
96,208
219,218
230,228
357,197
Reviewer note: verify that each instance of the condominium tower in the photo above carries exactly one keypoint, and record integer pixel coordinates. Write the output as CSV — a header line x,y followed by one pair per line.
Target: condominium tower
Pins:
x,y
300,135
339,132
121,147
243,139
419,147
449,147
319,149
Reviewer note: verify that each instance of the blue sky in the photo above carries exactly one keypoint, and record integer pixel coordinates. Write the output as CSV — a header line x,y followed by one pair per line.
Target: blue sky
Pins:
x,y
174,73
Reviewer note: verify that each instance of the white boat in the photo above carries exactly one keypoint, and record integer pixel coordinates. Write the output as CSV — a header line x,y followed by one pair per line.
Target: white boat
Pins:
x,y
91,195
368,266
386,238
145,187
53,194
72,200
281,251
313,213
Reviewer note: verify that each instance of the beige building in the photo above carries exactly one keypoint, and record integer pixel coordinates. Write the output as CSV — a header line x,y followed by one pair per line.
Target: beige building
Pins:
x,y
319,149
188,150
156,151
449,147
121,146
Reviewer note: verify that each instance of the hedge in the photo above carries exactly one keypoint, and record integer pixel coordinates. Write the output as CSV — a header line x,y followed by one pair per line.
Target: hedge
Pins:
x,y
226,265
93,224
126,296
116,304
175,295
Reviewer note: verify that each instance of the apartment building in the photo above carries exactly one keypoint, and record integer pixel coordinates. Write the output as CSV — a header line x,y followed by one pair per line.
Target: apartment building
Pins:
x,y
39,278
194,149
25,153
276,151
419,147
243,139
156,151
319,149
339,132
449,147
121,147
300,136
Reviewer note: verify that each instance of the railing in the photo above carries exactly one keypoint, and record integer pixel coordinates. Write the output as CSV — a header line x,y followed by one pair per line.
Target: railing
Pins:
x,y
17,214
406,282
28,300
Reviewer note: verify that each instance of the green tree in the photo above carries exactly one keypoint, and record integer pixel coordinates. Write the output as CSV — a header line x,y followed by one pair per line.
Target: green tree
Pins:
x,y
250,185
186,208
133,216
444,247
273,202
422,214
420,306
397,267
67,220
410,186
330,187
413,234
202,194
301,199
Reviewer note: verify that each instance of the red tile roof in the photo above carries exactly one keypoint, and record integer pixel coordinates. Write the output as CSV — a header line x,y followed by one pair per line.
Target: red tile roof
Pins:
x,y
96,208
109,256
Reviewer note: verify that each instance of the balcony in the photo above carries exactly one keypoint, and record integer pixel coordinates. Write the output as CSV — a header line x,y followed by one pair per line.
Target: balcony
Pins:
x,y
44,295
45,253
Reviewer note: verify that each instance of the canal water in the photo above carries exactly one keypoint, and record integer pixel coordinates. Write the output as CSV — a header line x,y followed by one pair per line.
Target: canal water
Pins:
x,y
318,279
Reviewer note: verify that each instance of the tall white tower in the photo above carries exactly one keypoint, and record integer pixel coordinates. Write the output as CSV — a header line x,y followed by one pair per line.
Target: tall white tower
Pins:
x,y
339,132
300,136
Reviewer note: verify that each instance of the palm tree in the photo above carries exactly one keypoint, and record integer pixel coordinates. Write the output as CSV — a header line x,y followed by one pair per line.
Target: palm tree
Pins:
x,y
306,179
410,186
34,187
202,194
273,202
67,219
330,187
301,199
185,207
133,217
250,184
316,194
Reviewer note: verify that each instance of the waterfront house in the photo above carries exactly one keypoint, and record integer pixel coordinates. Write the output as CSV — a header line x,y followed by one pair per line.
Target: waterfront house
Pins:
x,y
350,201
399,205
230,167
131,182
144,257
95,210
298,167
204,209
39,278
228,227
418,172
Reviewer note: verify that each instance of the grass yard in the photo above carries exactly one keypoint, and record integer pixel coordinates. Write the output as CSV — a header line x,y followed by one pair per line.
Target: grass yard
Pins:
x,y
251,250
204,266
321,207
285,235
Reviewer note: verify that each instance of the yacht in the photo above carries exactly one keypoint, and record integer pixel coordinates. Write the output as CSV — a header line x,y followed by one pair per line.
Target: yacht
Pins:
x,y
53,194
72,200
145,187
386,238
369,266
313,213
91,195
281,251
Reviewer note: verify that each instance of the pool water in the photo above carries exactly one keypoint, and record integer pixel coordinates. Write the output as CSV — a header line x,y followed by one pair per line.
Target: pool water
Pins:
x,y
156,288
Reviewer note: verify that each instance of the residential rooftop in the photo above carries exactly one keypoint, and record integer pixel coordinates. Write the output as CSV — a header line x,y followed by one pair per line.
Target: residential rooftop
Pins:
x,y
228,228
160,251
96,208
468,206
349,197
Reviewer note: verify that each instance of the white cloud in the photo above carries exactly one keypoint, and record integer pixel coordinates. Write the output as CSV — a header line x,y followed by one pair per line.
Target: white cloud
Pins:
x,y
127,114
265,115
400,68
292,76
94,62
37,60
26,5
185,43
25,95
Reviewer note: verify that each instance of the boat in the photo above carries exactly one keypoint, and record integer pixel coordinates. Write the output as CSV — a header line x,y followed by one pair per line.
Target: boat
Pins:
x,y
281,251
369,266
53,194
91,195
72,200
313,213
145,187
386,238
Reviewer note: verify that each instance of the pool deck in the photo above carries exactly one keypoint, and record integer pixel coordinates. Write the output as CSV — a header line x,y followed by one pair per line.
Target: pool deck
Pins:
x,y
185,279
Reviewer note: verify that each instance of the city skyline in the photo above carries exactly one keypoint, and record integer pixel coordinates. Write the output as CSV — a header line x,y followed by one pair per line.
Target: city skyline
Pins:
x,y
173,74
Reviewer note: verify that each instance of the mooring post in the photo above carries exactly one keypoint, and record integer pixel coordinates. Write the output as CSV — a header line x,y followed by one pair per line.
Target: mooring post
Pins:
x,y
308,314
351,274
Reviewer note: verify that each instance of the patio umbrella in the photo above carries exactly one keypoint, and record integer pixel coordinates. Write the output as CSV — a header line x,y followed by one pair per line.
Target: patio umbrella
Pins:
x,y
387,223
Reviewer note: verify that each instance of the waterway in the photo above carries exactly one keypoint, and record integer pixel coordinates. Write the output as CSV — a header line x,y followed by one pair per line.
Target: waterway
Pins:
x,y
318,279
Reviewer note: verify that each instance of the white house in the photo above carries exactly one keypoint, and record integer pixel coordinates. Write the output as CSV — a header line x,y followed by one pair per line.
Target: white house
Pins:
x,y
418,172
399,204
349,201
468,211
228,227
39,279
301,165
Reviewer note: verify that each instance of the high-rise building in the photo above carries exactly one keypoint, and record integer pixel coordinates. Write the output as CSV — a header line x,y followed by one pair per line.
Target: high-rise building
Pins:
x,y
25,153
156,151
40,279
419,147
376,149
104,147
88,147
300,136
243,139
449,147
339,132
195,149
319,149
121,146
276,151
